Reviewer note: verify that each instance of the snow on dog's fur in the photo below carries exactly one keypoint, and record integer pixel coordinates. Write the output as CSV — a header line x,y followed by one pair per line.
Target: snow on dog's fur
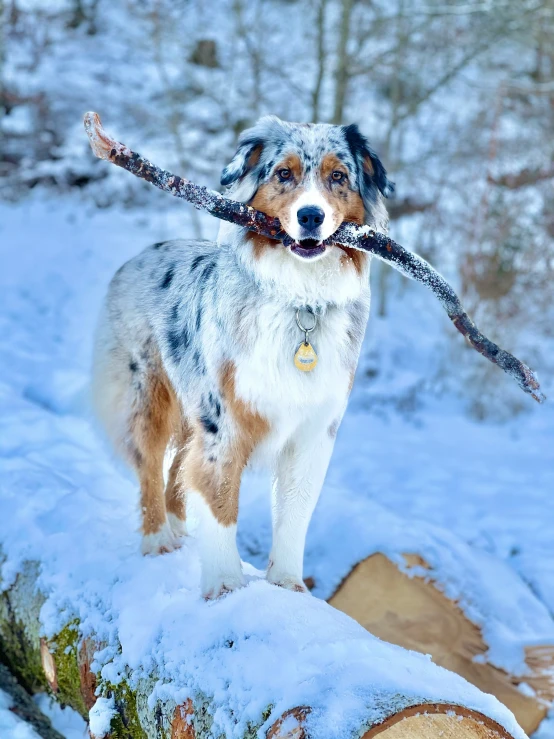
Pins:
x,y
196,343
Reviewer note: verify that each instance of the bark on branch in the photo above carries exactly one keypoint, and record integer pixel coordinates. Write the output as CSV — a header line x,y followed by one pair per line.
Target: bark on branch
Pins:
x,y
357,237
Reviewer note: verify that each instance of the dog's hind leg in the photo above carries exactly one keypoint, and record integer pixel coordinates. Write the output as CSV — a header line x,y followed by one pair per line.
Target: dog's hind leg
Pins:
x,y
140,411
175,491
151,424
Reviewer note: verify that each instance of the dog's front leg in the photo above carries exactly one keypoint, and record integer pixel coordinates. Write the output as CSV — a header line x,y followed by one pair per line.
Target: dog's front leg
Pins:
x,y
211,476
220,561
301,469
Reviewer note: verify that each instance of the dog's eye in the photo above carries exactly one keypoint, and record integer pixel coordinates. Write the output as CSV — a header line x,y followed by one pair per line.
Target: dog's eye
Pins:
x,y
284,174
337,176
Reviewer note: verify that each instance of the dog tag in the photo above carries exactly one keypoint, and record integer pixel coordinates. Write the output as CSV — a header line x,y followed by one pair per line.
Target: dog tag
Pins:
x,y
305,358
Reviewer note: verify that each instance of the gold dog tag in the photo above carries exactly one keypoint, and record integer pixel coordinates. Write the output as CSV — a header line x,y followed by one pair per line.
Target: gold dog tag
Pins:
x,y
305,358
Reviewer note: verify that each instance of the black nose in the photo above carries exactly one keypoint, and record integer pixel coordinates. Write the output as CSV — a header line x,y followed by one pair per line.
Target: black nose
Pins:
x,y
311,217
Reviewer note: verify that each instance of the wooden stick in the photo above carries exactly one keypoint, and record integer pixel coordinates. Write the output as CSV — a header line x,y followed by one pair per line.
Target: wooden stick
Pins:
x,y
358,237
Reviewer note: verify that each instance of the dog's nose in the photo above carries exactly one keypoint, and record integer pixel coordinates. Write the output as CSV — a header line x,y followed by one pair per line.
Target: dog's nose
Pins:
x,y
310,217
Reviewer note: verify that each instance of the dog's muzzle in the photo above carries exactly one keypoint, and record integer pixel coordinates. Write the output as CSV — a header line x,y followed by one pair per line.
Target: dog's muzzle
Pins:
x,y
310,219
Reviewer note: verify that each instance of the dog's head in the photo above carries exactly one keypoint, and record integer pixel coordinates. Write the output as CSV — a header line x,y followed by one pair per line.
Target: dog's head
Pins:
x,y
313,177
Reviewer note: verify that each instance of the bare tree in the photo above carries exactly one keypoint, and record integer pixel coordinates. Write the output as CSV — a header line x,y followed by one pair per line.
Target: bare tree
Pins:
x,y
343,62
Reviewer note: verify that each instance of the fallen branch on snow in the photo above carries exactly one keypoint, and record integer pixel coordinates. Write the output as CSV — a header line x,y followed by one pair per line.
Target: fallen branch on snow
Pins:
x,y
357,237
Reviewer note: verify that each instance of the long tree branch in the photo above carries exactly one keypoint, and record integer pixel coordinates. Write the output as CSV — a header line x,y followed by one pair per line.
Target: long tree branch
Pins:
x,y
358,237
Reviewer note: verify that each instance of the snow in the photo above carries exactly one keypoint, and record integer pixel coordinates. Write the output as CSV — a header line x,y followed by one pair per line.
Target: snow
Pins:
x,y
474,499
11,726
100,717
65,720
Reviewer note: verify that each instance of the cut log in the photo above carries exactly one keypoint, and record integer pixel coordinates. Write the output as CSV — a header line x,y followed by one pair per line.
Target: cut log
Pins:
x,y
375,691
412,612
416,722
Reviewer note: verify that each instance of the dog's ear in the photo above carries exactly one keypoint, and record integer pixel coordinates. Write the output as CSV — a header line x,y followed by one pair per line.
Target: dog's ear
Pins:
x,y
245,159
253,157
371,172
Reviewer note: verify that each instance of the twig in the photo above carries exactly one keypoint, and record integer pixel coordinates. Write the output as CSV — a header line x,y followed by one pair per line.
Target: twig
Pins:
x,y
358,237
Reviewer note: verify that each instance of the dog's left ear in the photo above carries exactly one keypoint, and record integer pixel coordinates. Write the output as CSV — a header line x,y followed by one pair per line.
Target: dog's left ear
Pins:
x,y
371,172
245,159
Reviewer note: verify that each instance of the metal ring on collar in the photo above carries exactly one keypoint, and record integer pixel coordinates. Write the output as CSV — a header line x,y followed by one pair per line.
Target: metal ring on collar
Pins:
x,y
299,323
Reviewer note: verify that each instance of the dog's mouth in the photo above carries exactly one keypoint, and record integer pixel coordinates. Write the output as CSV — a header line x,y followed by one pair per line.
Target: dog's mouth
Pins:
x,y
307,248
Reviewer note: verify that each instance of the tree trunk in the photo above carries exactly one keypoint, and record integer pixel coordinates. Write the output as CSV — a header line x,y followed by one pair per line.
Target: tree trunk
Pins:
x,y
64,666
342,71
320,60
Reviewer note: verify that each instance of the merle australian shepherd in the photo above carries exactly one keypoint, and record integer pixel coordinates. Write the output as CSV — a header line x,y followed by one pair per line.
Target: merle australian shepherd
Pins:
x,y
197,349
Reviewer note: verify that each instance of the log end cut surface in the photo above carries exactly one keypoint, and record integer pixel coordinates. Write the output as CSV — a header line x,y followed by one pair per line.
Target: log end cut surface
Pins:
x,y
444,721
413,613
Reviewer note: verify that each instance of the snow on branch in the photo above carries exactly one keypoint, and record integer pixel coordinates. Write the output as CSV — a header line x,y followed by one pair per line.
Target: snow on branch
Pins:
x,y
362,238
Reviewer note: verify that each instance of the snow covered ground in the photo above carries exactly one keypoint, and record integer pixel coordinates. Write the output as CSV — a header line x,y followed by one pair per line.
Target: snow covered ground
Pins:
x,y
430,476
65,720
11,726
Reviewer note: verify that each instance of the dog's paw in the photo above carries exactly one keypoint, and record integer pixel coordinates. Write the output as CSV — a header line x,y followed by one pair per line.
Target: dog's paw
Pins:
x,y
289,582
177,526
217,587
162,542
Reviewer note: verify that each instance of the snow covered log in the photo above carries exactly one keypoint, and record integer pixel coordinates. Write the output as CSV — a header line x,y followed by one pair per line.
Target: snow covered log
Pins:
x,y
411,611
260,662
85,616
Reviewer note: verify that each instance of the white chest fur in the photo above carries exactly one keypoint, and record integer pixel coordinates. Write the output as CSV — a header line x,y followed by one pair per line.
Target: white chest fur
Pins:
x,y
268,380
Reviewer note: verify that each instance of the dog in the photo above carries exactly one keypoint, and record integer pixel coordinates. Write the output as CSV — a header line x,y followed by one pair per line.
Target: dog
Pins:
x,y
204,347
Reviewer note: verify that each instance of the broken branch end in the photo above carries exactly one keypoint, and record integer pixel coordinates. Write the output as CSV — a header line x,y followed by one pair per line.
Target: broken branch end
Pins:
x,y
102,145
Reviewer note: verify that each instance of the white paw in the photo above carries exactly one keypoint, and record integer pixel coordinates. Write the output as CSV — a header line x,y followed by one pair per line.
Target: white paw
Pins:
x,y
177,526
162,542
215,587
284,580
